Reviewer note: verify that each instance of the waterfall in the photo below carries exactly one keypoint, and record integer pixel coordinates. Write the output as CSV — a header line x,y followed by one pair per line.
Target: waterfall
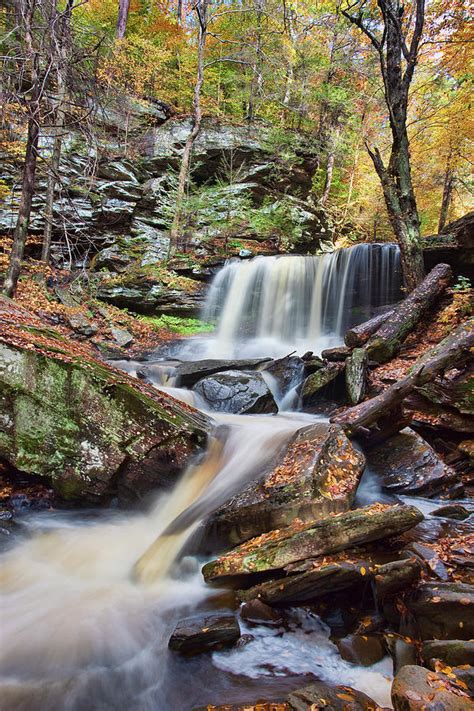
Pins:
x,y
268,305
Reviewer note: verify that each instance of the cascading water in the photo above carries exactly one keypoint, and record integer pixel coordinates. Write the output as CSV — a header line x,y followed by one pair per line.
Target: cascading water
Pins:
x,y
271,305
88,605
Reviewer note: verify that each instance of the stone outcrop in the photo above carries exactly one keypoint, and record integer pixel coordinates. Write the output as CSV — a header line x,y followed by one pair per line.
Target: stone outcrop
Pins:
x,y
92,430
315,474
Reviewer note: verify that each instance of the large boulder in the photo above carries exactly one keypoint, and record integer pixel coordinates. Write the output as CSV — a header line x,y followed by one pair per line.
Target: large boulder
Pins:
x,y
92,430
276,550
235,391
203,634
189,372
315,474
406,464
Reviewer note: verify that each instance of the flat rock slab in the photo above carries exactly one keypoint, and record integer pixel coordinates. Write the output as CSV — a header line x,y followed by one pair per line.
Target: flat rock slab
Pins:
x,y
314,578
203,634
189,373
237,392
407,464
443,610
315,474
418,689
277,549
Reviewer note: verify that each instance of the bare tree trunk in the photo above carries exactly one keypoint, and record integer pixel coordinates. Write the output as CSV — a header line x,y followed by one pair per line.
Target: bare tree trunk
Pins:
x,y
447,193
124,7
31,157
60,30
330,167
201,11
180,12
398,57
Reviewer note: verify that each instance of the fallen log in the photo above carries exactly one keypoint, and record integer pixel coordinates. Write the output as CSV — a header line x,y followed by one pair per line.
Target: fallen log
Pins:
x,y
356,375
446,354
359,335
387,340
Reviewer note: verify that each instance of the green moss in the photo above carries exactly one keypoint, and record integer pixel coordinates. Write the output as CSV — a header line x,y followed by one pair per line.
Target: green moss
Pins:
x,y
176,324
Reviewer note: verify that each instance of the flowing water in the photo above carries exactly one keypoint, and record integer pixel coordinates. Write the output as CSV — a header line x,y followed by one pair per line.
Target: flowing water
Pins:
x,y
89,600
269,306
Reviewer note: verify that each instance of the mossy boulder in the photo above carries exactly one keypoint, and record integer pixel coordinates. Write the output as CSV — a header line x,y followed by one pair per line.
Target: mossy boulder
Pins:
x,y
92,430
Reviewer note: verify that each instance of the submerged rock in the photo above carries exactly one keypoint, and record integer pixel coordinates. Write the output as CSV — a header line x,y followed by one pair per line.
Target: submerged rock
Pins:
x,y
275,550
407,464
315,474
418,689
238,392
92,430
203,634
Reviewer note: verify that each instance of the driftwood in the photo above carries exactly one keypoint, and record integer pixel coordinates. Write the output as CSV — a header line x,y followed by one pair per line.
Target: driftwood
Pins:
x,y
356,375
359,335
386,342
448,353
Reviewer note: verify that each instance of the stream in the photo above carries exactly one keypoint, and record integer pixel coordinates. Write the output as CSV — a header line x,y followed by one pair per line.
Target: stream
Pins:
x,y
90,598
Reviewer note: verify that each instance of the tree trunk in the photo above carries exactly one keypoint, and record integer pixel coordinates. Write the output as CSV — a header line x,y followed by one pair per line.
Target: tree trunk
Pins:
x,y
393,49
360,334
124,7
386,342
447,194
451,352
356,375
201,11
31,158
59,45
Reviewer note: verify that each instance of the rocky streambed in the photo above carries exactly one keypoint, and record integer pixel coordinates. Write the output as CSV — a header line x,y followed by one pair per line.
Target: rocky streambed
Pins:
x,y
296,558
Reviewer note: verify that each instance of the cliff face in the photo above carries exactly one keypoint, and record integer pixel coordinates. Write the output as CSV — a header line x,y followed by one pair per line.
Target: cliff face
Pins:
x,y
114,206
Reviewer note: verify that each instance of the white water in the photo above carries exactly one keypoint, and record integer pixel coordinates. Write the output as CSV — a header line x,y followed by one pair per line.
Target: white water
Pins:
x,y
84,627
269,306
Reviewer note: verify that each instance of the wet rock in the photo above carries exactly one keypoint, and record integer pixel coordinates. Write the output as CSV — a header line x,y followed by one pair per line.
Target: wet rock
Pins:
x,y
317,381
320,577
393,577
90,429
189,372
338,354
443,610
334,698
407,464
402,650
315,474
299,541
203,634
430,560
363,650
418,689
288,372
239,392
458,512
257,612
452,652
